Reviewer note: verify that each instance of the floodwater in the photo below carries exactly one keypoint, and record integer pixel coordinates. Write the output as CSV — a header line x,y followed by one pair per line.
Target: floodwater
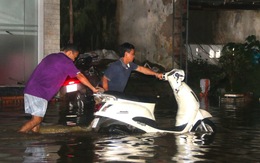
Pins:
x,y
237,139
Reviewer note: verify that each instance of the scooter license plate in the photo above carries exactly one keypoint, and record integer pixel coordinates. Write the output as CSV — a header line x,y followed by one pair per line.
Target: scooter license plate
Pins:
x,y
95,122
71,88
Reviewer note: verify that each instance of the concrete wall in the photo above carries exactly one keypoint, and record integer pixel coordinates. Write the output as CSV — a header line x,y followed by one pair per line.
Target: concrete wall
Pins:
x,y
148,25
223,26
51,26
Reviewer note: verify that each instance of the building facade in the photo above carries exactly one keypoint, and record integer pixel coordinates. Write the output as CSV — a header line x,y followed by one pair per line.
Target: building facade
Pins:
x,y
29,30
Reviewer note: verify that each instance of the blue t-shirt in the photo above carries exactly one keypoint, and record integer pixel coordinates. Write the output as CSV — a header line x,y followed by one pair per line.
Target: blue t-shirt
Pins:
x,y
49,75
118,74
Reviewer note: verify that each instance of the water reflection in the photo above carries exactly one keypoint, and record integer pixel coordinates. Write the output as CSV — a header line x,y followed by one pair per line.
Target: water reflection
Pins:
x,y
77,149
40,153
124,148
152,147
34,154
237,139
239,116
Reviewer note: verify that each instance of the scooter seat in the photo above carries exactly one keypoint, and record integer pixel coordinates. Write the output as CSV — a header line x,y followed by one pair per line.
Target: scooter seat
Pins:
x,y
132,97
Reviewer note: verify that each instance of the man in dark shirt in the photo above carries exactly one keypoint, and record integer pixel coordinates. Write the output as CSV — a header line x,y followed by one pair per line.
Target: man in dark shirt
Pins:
x,y
116,76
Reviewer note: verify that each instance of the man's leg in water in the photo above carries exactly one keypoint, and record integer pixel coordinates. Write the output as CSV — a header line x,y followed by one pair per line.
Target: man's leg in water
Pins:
x,y
36,107
36,129
32,125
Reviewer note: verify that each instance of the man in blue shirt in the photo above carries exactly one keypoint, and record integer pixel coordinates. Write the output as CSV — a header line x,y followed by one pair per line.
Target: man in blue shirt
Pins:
x,y
116,76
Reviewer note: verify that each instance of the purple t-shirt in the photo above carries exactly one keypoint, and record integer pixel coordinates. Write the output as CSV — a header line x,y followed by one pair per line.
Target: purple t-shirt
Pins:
x,y
49,75
118,74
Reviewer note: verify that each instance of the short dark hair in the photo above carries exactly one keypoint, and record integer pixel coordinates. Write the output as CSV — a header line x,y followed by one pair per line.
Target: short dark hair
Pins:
x,y
72,47
125,47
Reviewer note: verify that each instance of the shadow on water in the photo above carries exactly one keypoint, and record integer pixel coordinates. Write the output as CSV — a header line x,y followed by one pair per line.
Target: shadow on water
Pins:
x,y
237,139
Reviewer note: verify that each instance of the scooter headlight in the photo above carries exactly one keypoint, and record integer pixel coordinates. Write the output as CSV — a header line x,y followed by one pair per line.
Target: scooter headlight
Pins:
x,y
179,75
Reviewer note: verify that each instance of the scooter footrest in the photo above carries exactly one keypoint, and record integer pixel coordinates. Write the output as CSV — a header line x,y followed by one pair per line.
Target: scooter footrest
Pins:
x,y
176,128
146,121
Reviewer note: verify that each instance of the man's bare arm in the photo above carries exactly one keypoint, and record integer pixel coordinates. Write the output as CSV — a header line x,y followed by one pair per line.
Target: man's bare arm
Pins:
x,y
86,82
105,83
148,71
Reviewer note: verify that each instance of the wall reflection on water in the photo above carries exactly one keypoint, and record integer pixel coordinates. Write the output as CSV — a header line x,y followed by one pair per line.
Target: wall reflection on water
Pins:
x,y
40,153
158,148
237,139
136,148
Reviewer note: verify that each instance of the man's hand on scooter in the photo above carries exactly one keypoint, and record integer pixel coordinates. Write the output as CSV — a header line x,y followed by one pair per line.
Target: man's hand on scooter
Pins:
x,y
100,90
159,76
97,90
94,90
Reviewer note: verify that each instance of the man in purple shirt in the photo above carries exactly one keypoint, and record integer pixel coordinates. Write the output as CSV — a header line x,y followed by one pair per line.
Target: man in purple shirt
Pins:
x,y
46,81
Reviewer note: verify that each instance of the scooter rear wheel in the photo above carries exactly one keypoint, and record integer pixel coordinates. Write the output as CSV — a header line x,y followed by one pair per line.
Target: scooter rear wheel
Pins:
x,y
204,125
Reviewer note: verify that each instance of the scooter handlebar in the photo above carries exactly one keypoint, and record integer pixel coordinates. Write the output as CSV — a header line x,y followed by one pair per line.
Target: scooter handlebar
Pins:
x,y
104,97
164,77
100,90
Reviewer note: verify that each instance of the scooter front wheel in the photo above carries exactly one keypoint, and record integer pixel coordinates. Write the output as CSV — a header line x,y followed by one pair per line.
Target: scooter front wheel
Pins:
x,y
204,125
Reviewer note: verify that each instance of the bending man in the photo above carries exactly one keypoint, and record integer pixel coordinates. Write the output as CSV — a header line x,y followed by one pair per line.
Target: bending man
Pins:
x,y
46,81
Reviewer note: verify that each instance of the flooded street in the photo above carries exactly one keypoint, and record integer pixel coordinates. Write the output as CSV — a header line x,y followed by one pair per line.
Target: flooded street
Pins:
x,y
237,139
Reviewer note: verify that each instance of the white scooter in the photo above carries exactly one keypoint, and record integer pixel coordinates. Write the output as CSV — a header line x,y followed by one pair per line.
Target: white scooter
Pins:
x,y
117,113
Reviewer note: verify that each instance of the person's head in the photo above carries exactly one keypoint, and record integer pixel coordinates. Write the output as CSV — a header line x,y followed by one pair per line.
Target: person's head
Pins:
x,y
71,51
127,51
